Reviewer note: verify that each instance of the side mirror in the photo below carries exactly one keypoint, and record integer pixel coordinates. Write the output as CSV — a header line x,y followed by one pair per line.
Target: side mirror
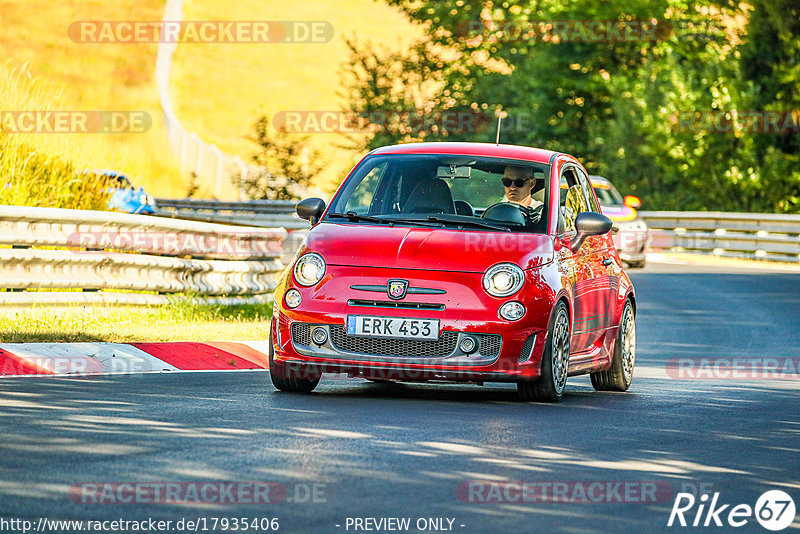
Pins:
x,y
632,201
311,209
589,223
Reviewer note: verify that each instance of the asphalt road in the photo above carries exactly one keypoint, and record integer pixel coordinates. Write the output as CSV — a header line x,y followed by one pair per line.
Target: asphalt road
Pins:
x,y
384,450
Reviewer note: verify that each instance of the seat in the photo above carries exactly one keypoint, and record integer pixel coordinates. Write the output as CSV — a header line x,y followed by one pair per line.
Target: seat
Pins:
x,y
539,195
430,197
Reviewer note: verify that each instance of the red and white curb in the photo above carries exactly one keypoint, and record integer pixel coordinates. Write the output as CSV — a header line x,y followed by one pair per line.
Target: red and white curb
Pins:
x,y
94,359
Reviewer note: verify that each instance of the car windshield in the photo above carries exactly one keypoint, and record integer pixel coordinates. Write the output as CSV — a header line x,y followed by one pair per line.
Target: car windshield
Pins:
x,y
444,190
607,194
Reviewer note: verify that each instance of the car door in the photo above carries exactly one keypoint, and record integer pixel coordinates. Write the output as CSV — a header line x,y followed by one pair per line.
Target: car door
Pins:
x,y
605,268
590,285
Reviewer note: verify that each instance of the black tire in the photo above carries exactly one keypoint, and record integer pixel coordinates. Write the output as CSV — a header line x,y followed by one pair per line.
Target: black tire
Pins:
x,y
637,264
555,361
620,375
290,380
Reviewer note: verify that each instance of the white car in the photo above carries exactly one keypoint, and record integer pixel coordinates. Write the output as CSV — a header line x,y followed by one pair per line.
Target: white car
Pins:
x,y
633,236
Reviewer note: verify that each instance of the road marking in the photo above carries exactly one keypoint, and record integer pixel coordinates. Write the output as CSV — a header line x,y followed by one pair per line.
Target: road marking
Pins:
x,y
96,359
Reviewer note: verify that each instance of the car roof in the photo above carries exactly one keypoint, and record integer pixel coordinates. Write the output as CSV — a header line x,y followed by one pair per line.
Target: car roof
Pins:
x,y
536,155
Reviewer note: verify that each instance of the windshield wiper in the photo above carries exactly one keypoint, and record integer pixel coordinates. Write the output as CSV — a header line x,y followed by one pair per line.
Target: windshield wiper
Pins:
x,y
422,221
459,222
354,217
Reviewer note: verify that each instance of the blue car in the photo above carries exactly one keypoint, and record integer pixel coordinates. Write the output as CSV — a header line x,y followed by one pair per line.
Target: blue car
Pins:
x,y
125,196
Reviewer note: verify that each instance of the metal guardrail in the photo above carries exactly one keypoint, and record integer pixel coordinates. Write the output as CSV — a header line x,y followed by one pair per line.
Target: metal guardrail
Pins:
x,y
46,249
263,213
748,235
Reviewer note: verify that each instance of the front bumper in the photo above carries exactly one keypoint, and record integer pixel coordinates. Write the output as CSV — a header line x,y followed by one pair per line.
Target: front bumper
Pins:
x,y
506,351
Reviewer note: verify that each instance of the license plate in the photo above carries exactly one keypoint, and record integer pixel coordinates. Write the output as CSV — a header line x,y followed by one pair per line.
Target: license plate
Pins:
x,y
392,327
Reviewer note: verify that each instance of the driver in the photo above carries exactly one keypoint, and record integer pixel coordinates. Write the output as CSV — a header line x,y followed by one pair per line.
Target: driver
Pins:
x,y
518,182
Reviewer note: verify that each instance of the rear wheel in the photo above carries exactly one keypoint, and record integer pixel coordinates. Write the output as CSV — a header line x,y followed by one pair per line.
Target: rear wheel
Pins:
x,y
555,361
619,377
291,380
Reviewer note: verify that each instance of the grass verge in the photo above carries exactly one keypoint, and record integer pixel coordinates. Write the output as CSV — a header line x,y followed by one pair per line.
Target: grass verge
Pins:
x,y
182,320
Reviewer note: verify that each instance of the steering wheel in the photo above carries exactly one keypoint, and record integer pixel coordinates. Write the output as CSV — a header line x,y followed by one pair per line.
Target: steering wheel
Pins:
x,y
507,213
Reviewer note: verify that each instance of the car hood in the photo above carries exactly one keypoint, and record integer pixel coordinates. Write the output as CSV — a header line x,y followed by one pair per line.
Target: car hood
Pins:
x,y
440,249
619,213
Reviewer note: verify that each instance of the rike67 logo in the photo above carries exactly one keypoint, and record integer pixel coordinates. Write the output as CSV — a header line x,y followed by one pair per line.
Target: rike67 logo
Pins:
x,y
774,510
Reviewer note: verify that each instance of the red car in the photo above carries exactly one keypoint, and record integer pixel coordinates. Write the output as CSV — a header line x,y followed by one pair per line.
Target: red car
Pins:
x,y
457,262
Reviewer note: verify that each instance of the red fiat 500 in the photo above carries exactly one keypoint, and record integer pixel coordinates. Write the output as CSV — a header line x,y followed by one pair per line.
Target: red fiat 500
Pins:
x,y
457,262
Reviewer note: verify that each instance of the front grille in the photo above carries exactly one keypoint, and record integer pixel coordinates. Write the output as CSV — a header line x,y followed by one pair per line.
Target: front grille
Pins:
x,y
527,348
395,304
445,345
490,344
301,333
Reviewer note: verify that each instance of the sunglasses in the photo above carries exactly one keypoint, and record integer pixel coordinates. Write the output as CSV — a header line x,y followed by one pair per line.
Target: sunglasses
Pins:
x,y
519,182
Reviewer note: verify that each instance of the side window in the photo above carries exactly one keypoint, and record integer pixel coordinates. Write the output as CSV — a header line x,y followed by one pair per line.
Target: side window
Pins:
x,y
573,199
586,187
364,192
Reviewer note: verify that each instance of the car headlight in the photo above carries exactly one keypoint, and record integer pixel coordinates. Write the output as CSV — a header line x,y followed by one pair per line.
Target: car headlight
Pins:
x,y
309,269
503,279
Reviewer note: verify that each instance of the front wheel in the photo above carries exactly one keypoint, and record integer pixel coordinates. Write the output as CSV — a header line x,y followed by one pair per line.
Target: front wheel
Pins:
x,y
555,361
619,377
291,380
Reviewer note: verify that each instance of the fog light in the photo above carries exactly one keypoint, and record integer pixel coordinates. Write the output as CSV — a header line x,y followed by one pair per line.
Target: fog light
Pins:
x,y
293,298
319,335
468,345
512,311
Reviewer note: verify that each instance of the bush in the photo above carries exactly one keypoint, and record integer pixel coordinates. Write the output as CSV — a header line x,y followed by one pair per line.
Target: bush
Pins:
x,y
289,165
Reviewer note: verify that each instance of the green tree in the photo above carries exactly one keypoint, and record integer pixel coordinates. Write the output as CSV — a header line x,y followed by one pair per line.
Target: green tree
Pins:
x,y
290,165
616,103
